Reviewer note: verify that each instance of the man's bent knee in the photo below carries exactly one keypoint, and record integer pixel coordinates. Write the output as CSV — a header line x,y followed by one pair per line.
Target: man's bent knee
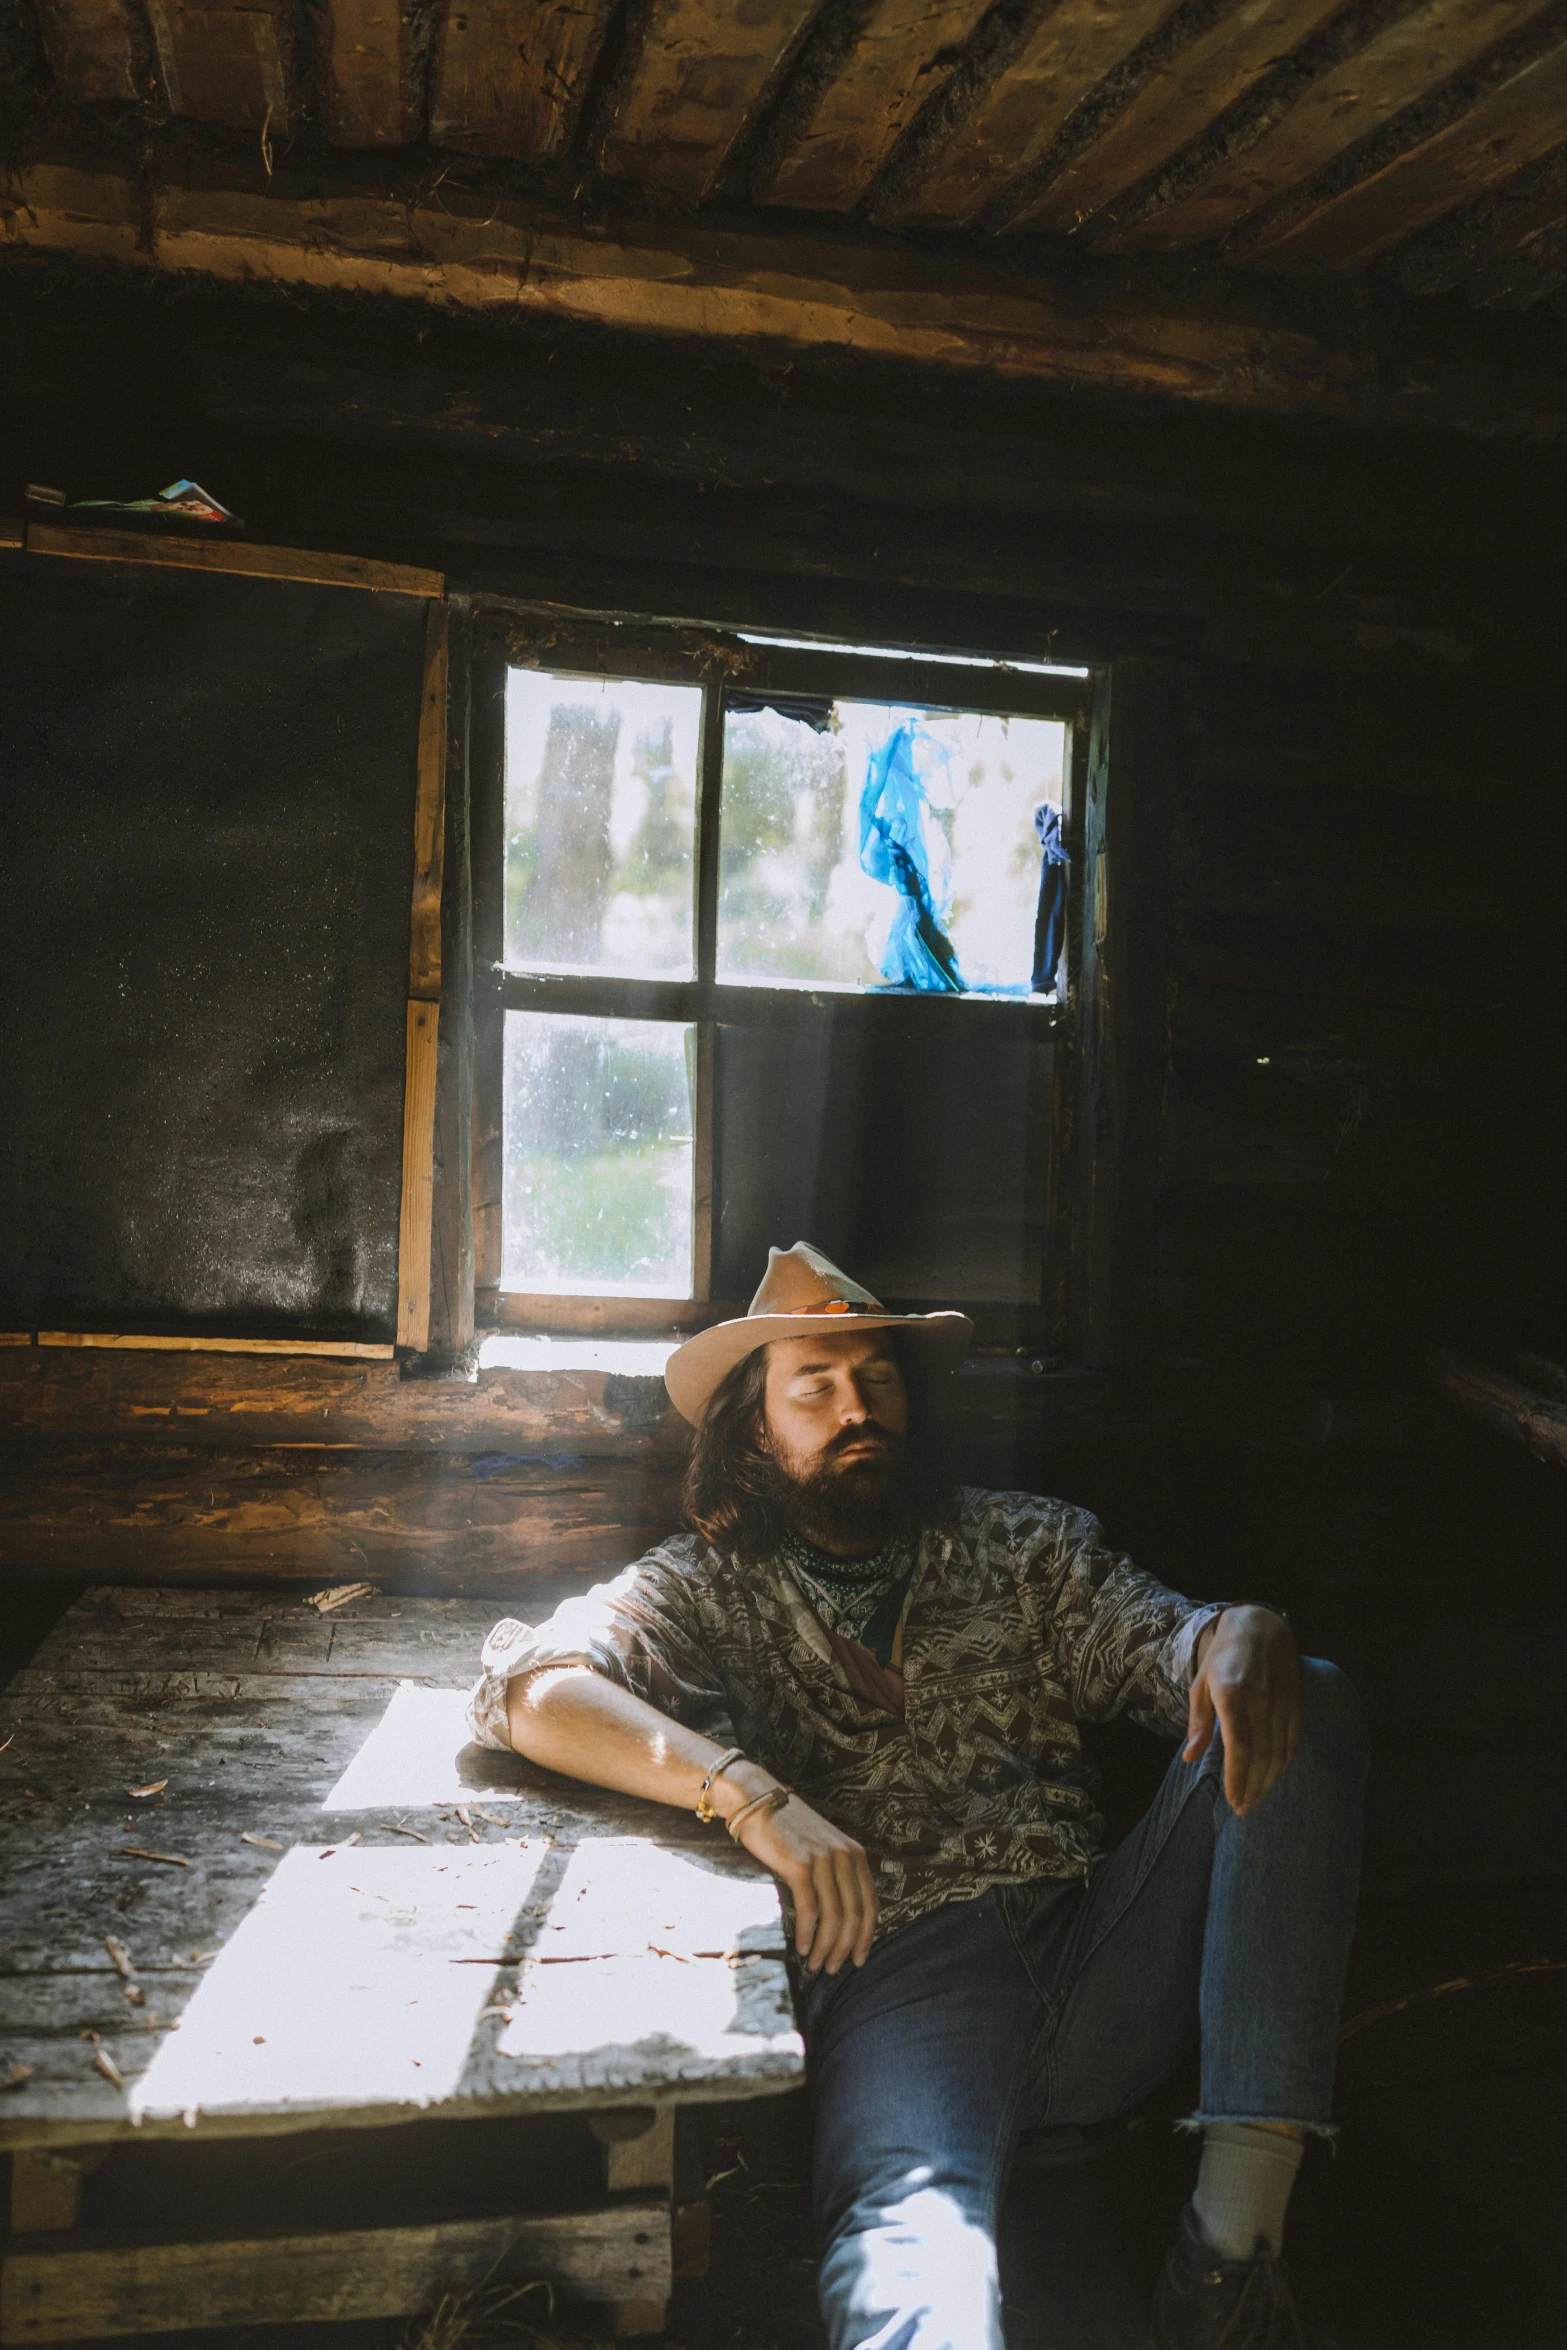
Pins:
x,y
914,2271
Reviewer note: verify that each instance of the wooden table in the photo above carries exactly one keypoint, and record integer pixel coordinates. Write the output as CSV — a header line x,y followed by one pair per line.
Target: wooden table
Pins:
x,y
257,1882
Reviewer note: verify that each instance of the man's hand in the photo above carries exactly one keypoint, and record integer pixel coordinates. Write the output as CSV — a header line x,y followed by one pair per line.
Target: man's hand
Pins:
x,y
574,1720
1248,1682
829,1881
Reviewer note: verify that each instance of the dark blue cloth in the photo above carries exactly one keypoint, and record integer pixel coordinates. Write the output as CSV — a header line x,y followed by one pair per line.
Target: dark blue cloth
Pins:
x,y
1050,920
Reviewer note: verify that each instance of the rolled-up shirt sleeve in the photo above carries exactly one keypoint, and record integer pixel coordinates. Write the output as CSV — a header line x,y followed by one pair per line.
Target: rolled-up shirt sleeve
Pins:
x,y
640,1629
1126,1643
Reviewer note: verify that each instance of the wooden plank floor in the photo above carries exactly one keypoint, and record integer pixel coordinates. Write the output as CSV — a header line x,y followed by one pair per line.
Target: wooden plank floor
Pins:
x,y
357,1916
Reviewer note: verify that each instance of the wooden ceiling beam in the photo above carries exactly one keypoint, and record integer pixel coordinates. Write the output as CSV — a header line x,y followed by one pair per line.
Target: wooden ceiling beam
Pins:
x,y
96,49
468,252
1506,250
1526,276
371,56
1169,107
481,423
510,81
1512,117
1297,128
228,61
1003,111
859,83
692,86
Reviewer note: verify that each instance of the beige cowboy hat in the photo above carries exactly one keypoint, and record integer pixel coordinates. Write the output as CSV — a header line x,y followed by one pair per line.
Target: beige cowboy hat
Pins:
x,y
801,1291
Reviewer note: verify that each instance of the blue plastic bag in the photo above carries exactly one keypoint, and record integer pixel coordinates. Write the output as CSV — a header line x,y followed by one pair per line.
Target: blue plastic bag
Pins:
x,y
900,845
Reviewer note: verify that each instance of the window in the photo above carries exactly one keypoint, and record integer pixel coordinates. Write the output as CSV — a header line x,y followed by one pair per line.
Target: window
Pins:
x,y
799,901
773,945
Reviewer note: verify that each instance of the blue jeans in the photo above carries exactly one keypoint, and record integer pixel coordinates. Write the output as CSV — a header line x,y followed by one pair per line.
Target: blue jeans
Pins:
x,y
1067,2002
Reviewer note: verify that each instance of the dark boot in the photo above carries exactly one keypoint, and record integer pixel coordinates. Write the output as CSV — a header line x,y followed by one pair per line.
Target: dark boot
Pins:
x,y
1206,2302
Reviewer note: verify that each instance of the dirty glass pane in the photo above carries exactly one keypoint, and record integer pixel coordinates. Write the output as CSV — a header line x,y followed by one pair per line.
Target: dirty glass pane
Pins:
x,y
798,900
600,824
598,1168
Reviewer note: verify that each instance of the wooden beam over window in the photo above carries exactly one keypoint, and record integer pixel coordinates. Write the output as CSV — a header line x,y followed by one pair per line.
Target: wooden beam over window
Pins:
x,y
473,253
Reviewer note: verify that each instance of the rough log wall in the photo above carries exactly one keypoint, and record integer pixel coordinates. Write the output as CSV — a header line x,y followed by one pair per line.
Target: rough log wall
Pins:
x,y
1369,996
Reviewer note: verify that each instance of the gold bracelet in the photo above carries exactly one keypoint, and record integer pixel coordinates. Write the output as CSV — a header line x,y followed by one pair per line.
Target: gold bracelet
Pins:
x,y
774,1800
704,1802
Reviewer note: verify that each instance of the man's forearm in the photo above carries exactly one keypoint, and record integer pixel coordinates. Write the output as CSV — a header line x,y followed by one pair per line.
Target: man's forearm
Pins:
x,y
577,1722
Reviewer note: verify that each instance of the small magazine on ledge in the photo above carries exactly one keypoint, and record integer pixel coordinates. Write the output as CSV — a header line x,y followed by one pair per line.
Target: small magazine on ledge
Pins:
x,y
182,501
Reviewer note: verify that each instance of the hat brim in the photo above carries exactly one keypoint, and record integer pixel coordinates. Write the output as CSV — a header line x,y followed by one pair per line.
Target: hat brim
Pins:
x,y
694,1370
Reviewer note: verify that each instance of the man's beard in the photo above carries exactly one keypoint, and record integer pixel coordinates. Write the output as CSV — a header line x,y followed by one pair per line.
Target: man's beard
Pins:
x,y
852,1505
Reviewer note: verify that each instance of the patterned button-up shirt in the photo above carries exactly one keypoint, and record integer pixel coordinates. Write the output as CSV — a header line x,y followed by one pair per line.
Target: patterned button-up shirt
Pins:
x,y
1020,1624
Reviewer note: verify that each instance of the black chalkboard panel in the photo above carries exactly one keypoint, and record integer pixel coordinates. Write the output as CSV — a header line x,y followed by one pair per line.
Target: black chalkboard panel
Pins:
x,y
207,793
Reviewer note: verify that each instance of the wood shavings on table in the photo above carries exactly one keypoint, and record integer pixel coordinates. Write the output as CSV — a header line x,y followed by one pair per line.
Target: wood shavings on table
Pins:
x,y
339,1595
139,1852
153,1787
104,2061
120,1958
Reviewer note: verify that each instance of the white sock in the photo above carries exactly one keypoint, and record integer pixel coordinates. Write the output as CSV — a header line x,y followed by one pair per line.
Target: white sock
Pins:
x,y
1243,2187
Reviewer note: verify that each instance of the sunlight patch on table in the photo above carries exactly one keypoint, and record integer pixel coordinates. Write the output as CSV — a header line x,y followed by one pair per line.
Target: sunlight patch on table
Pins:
x,y
410,1757
342,1987
639,2016
624,1897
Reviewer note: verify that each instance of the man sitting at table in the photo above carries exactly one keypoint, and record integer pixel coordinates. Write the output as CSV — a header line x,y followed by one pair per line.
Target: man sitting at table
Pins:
x,y
876,1681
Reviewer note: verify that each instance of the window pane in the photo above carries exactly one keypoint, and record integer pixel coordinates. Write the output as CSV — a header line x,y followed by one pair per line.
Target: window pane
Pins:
x,y
600,824
598,1166
796,901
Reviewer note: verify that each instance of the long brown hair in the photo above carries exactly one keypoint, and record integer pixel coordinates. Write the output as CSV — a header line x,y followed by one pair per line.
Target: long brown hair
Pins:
x,y
734,1495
